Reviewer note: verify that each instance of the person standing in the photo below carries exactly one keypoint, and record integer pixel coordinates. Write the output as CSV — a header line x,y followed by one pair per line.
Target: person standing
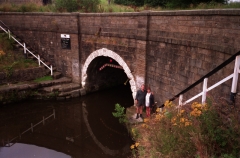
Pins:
x,y
149,102
140,101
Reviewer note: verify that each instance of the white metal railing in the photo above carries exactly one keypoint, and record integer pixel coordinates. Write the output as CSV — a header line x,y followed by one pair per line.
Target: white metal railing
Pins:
x,y
9,143
233,76
26,50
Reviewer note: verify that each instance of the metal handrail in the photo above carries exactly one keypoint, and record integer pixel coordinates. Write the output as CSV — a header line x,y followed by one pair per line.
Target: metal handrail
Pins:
x,y
233,76
235,57
26,49
9,142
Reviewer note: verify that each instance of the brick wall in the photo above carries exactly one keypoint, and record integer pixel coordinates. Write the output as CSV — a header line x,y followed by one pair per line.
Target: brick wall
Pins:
x,y
168,50
40,2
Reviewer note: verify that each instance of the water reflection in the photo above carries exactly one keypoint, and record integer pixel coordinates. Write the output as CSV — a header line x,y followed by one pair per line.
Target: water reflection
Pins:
x,y
20,150
83,127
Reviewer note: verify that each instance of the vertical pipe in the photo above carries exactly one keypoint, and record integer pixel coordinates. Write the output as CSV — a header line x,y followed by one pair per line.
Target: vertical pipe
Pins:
x,y
204,95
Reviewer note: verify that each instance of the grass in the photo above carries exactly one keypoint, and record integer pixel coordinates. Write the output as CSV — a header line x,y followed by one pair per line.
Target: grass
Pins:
x,y
104,7
45,78
10,59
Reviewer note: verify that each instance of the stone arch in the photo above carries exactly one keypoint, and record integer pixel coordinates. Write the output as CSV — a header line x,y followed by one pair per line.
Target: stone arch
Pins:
x,y
116,57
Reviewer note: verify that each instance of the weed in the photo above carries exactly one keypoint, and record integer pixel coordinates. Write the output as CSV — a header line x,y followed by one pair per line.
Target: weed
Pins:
x,y
120,113
45,78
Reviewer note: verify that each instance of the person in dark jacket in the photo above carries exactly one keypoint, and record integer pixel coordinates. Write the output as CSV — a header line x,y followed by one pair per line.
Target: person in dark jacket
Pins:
x,y
140,101
149,102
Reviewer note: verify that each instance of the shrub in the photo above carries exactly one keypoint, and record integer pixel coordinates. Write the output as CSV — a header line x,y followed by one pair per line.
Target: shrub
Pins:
x,y
130,2
66,5
199,130
89,5
155,3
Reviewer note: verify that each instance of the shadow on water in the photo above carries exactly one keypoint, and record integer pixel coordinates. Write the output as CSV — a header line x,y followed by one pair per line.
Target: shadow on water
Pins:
x,y
83,127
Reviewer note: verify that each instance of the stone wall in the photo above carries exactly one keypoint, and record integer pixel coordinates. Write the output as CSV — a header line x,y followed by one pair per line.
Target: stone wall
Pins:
x,y
183,46
22,75
40,2
167,50
42,31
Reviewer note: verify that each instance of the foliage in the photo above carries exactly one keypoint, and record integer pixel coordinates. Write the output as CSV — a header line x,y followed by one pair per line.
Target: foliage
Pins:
x,y
89,5
154,3
45,78
167,3
120,114
130,2
11,60
66,5
199,130
75,5
118,6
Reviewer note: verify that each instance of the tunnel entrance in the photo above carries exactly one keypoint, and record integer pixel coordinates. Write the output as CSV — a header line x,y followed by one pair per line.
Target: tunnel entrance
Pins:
x,y
104,72
94,79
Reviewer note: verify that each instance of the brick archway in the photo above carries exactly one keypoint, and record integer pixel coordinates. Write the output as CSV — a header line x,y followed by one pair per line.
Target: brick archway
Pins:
x,y
116,57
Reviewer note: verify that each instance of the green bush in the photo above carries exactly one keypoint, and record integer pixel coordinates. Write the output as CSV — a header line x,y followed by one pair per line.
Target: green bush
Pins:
x,y
130,2
66,5
204,130
155,3
89,5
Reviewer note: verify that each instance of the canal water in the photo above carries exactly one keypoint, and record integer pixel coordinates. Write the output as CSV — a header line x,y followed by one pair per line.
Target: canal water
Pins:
x,y
82,128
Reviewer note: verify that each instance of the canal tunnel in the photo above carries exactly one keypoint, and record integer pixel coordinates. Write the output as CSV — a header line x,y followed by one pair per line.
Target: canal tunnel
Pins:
x,y
104,72
104,68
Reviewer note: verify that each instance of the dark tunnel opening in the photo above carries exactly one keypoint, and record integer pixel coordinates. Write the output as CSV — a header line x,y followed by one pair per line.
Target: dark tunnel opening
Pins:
x,y
101,76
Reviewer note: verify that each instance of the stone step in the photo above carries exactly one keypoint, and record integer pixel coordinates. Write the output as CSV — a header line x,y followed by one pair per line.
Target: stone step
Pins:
x,y
59,81
56,74
60,88
72,94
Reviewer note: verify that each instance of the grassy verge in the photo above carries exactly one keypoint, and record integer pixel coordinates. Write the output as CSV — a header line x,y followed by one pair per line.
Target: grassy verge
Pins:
x,y
112,7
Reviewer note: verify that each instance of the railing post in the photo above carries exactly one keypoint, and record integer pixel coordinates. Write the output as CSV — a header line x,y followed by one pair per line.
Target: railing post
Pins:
x,y
204,93
43,121
180,103
32,127
9,34
235,78
51,70
54,113
39,62
24,50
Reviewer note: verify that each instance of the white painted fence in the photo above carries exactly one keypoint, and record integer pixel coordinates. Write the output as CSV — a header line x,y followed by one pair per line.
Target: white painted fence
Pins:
x,y
233,76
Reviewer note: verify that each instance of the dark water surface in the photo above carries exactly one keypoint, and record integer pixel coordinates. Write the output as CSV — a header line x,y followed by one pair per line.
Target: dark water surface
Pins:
x,y
83,127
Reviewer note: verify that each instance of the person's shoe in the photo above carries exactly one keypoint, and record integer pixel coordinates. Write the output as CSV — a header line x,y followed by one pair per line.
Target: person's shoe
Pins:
x,y
137,116
141,116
